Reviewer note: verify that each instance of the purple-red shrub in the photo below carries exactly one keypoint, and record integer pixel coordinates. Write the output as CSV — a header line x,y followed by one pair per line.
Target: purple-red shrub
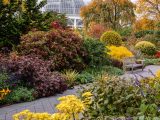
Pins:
x,y
62,47
56,25
34,72
116,63
158,54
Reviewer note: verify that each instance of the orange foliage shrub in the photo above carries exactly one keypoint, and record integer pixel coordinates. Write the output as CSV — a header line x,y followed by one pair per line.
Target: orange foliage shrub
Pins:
x,y
144,24
96,30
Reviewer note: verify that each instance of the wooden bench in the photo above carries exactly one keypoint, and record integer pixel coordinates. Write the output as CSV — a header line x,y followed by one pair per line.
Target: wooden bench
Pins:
x,y
131,63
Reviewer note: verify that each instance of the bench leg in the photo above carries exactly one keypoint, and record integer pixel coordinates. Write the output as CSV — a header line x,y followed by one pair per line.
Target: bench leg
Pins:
x,y
142,68
124,69
132,69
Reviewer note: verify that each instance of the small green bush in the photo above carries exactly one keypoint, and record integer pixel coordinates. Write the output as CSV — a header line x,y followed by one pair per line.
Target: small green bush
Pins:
x,y
3,81
125,32
114,71
85,78
152,61
143,33
20,94
110,70
146,47
111,38
95,52
150,38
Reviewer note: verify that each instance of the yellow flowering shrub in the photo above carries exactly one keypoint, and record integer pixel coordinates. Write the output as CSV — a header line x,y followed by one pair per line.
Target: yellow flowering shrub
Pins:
x,y
118,53
3,93
60,116
70,105
27,115
69,108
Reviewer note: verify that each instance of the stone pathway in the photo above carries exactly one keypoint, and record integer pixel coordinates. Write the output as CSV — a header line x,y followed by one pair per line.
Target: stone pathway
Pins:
x,y
149,71
48,104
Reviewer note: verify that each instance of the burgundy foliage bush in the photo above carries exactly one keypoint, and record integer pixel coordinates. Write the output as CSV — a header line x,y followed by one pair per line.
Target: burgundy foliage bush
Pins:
x,y
158,54
116,63
56,25
62,47
34,72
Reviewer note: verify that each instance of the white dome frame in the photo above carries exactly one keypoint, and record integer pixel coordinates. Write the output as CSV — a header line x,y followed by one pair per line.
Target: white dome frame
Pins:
x,y
69,7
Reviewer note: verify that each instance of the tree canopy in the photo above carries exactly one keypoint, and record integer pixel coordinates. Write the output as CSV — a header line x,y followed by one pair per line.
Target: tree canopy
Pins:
x,y
17,17
112,13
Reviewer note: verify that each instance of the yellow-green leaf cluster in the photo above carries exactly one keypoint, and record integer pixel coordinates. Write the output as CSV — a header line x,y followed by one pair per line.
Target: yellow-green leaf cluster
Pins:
x,y
87,98
111,38
146,47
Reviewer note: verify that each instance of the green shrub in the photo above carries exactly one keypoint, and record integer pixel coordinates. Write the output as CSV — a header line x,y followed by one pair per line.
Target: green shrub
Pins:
x,y
13,26
125,32
85,77
99,70
146,47
152,61
19,94
3,81
70,76
111,38
143,33
150,38
89,74
95,52
114,97
114,71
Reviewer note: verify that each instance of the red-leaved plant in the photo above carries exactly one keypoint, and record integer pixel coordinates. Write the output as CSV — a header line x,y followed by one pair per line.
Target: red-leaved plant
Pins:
x,y
56,25
34,72
62,47
158,54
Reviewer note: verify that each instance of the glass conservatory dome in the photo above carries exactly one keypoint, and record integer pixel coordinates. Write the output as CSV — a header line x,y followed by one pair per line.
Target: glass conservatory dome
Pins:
x,y
69,7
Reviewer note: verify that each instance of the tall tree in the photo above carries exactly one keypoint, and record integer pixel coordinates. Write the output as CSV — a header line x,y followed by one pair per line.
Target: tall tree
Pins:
x,y
112,13
9,26
150,8
20,16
